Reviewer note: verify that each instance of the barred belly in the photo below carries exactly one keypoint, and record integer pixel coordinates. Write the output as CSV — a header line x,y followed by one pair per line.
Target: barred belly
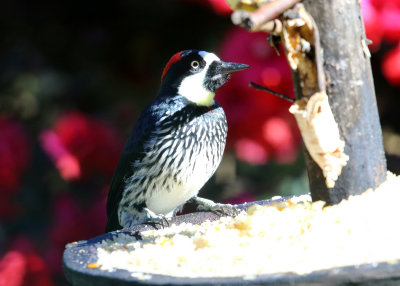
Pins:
x,y
177,165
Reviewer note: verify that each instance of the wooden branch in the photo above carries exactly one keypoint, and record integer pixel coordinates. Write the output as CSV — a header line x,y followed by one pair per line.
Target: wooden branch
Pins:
x,y
269,11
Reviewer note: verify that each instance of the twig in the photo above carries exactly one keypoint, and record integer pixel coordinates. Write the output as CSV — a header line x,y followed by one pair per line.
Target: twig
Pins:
x,y
269,11
280,95
241,18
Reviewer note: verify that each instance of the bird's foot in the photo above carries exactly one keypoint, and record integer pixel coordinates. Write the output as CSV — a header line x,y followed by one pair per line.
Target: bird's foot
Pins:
x,y
225,210
157,220
220,209
144,217
136,234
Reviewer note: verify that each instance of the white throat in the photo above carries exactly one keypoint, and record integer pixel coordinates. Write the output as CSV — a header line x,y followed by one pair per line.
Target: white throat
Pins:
x,y
192,87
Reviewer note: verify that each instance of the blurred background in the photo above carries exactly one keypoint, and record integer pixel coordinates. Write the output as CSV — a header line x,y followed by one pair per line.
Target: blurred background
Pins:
x,y
74,76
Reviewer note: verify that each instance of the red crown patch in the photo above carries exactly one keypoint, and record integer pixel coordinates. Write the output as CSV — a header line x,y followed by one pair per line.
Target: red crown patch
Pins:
x,y
171,61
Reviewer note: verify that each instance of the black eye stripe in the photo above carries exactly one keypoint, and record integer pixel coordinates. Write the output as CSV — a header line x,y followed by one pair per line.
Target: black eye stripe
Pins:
x,y
214,79
212,69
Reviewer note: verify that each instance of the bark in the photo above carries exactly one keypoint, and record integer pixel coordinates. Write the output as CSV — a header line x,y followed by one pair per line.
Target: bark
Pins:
x,y
351,93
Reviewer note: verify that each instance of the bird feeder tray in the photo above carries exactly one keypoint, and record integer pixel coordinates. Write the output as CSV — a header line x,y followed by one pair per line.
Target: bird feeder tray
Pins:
x,y
80,258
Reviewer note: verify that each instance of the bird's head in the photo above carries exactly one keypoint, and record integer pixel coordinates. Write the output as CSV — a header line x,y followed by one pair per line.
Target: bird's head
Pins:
x,y
196,75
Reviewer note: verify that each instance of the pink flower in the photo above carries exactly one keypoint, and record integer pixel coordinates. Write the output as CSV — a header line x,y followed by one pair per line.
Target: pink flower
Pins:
x,y
260,125
381,20
390,24
66,163
81,146
22,266
251,151
12,269
279,135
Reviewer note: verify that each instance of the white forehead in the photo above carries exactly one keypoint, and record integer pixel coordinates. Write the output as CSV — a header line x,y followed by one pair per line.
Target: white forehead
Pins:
x,y
208,57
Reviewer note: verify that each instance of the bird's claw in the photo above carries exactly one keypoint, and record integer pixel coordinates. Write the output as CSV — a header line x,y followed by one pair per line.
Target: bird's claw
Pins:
x,y
219,209
136,234
159,220
225,210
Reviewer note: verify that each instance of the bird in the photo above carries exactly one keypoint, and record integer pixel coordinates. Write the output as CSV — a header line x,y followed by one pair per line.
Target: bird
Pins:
x,y
175,146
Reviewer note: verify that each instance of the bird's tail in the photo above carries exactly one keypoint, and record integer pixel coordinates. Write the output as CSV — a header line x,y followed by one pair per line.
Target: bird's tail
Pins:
x,y
112,222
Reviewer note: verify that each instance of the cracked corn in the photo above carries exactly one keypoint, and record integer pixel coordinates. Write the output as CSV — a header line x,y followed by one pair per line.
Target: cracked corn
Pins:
x,y
289,237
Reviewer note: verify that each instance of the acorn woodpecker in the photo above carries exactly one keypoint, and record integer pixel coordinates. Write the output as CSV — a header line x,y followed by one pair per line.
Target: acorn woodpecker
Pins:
x,y
175,146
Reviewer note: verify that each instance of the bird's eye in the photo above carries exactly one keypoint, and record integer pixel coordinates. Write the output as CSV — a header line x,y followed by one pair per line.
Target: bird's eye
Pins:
x,y
195,64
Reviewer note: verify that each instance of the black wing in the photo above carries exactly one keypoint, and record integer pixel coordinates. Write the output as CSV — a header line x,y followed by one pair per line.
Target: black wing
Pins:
x,y
133,150
124,170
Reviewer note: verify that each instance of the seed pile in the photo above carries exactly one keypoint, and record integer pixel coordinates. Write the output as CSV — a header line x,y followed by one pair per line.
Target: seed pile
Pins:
x,y
285,237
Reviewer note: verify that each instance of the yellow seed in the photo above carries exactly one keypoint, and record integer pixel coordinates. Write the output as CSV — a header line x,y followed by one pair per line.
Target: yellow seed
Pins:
x,y
164,241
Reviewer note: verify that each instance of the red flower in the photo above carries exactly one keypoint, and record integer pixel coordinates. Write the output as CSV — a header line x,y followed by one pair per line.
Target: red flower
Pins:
x,y
381,20
81,146
382,4
22,266
373,29
391,66
220,7
14,154
260,125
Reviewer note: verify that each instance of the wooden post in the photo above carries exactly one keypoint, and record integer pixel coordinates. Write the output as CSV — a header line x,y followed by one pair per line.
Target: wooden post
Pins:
x,y
338,63
351,93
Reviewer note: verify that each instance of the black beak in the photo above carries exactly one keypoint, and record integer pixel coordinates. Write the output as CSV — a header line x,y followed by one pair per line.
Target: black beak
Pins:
x,y
226,68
